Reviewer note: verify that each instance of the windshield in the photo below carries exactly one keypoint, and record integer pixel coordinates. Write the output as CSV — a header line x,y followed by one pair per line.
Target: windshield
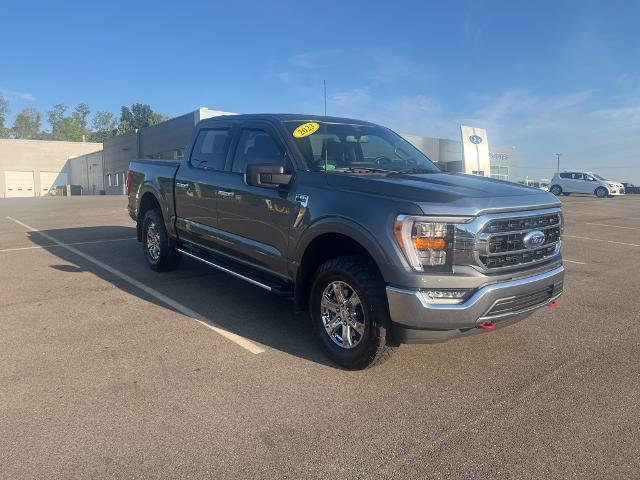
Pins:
x,y
598,177
349,148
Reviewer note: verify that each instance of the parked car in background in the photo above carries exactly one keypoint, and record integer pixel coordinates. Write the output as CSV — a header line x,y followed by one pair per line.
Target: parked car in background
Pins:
x,y
566,183
631,188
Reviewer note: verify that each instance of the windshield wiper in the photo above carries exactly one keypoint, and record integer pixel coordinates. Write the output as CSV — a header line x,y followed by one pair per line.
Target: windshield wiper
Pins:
x,y
363,170
416,170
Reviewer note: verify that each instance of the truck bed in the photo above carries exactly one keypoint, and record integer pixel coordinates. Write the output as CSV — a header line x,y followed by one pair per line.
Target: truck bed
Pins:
x,y
156,176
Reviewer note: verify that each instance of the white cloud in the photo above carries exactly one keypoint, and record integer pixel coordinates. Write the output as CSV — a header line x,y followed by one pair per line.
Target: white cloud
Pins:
x,y
15,96
315,59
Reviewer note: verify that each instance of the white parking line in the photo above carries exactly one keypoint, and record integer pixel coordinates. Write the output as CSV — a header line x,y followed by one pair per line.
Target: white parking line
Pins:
x,y
600,240
237,339
17,249
573,261
613,226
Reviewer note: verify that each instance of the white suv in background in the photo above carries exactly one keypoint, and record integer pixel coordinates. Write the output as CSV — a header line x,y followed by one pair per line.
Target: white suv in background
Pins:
x,y
566,183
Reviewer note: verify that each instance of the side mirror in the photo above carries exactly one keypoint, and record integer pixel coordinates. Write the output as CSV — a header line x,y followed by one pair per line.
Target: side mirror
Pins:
x,y
267,175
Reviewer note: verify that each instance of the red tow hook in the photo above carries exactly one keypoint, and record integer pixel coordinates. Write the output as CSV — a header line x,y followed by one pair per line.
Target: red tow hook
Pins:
x,y
552,304
487,326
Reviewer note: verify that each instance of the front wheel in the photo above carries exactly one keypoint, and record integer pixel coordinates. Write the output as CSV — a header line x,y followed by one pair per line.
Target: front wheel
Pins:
x,y
159,249
350,314
601,192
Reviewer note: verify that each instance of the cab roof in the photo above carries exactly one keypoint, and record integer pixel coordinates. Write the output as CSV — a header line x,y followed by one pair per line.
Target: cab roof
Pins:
x,y
286,117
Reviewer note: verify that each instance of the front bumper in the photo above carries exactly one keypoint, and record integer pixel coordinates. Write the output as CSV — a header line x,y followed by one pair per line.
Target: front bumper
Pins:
x,y
409,309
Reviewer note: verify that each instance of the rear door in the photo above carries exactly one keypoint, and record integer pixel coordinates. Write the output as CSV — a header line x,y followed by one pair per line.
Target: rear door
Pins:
x,y
197,182
254,221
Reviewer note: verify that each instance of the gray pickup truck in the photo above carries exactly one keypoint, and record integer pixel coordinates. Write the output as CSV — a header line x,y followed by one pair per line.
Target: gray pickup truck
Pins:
x,y
356,225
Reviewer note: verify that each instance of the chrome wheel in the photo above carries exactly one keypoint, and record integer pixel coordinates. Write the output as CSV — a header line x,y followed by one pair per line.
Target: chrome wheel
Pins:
x,y
153,241
342,314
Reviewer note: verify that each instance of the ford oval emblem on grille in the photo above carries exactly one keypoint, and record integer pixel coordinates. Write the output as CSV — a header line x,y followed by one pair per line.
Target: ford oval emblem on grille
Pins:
x,y
533,239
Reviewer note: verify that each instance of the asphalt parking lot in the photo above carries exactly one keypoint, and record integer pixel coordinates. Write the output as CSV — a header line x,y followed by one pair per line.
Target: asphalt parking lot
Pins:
x,y
99,378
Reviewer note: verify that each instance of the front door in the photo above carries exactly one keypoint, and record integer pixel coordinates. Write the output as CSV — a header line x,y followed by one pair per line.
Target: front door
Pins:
x,y
196,185
254,221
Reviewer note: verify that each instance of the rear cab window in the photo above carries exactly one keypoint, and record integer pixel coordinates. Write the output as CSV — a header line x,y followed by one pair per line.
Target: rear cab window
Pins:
x,y
210,148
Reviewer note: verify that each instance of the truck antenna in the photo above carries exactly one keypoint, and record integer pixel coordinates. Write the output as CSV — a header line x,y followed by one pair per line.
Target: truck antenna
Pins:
x,y
326,143
324,84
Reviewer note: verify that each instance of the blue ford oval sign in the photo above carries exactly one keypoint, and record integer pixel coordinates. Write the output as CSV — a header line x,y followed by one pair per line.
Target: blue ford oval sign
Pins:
x,y
475,139
533,239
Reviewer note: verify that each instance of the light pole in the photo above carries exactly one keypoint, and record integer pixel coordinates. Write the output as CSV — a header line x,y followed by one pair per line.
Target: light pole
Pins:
x,y
558,155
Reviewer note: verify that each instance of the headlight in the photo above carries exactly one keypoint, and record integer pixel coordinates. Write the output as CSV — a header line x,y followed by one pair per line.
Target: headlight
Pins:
x,y
427,243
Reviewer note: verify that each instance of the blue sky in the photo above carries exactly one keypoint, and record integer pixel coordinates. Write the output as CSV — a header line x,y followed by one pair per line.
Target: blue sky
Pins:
x,y
546,76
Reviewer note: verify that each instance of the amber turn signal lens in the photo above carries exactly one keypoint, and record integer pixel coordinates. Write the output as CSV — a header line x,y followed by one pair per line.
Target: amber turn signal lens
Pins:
x,y
429,243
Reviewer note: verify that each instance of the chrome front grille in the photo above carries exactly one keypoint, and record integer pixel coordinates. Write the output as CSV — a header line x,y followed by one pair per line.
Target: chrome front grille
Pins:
x,y
501,241
505,240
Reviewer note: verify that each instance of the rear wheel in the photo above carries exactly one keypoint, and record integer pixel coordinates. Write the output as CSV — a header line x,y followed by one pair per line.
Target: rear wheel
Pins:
x,y
159,249
556,190
350,314
601,192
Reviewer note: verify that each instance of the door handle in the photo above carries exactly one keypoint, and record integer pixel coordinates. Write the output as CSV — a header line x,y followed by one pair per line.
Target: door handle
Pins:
x,y
182,185
226,194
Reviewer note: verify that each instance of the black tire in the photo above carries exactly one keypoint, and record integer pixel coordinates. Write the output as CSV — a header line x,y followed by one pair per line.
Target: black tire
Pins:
x,y
375,345
168,258
601,192
556,190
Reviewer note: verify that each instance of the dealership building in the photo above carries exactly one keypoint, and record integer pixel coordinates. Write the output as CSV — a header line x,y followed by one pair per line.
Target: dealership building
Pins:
x,y
33,167
30,168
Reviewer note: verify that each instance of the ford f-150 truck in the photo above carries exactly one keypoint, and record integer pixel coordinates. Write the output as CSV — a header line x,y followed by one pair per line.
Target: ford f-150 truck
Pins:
x,y
356,225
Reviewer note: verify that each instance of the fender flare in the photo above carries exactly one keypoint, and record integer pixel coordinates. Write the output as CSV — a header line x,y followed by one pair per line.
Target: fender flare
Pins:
x,y
345,227
149,188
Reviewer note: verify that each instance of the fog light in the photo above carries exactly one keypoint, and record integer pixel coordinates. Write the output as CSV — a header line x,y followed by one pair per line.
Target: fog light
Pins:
x,y
445,295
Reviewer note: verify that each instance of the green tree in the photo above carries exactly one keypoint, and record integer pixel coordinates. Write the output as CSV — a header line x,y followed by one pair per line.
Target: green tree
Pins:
x,y
140,115
27,124
72,128
4,111
104,126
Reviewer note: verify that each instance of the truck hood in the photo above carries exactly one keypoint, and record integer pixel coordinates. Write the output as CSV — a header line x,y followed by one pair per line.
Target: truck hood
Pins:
x,y
449,193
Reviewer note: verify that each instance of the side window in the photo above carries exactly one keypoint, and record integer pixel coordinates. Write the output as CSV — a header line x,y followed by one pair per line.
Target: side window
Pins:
x,y
565,175
256,146
577,176
209,150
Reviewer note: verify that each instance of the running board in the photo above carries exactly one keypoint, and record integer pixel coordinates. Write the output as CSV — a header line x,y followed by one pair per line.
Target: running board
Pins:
x,y
239,272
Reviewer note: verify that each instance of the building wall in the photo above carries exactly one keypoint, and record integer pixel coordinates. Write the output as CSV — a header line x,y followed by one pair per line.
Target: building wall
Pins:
x,y
39,156
87,171
448,154
504,161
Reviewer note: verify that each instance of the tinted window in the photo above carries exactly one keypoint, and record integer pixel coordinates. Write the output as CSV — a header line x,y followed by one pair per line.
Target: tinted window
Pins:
x,y
256,146
565,175
577,176
357,149
210,149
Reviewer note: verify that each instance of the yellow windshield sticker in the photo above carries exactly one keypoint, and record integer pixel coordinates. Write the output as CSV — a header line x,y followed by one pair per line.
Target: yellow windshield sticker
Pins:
x,y
306,129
